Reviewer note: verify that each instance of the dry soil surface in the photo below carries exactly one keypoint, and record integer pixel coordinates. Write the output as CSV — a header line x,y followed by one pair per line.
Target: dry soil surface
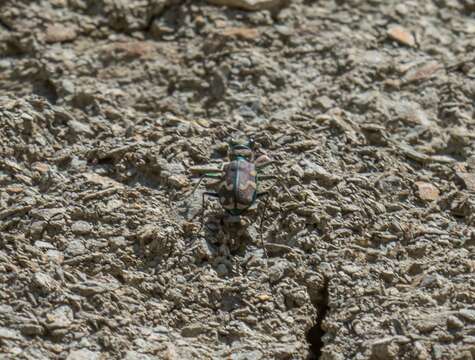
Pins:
x,y
366,108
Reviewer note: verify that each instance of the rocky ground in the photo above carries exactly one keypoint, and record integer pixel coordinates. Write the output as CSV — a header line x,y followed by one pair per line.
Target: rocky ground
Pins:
x,y
365,106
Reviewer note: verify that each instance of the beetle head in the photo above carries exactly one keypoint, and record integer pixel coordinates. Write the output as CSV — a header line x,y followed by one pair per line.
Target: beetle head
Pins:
x,y
241,148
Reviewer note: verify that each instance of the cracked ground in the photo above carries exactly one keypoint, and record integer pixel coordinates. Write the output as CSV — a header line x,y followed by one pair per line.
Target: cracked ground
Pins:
x,y
366,109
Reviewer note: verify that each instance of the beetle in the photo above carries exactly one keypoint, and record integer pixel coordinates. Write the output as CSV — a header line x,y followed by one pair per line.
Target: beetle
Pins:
x,y
238,183
238,187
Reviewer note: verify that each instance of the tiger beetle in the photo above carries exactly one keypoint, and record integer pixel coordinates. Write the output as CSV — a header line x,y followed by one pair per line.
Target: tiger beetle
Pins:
x,y
238,187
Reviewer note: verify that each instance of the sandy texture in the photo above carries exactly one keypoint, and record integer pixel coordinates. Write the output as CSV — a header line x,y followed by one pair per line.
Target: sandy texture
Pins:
x,y
366,107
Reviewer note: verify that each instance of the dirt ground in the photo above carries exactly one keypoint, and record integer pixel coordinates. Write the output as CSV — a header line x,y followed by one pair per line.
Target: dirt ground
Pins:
x,y
366,108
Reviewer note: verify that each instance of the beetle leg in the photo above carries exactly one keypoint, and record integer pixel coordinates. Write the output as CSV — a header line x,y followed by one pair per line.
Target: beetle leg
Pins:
x,y
209,193
261,226
261,194
204,170
206,193
266,177
210,176
262,222
196,186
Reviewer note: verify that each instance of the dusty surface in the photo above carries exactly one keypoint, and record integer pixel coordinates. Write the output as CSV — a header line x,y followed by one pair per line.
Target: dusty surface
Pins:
x,y
367,108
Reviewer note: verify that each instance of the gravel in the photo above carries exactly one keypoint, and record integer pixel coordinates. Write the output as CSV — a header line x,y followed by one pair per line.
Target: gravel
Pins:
x,y
366,109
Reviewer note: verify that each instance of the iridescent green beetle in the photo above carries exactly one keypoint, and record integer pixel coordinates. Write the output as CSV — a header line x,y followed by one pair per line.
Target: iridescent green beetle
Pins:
x,y
238,189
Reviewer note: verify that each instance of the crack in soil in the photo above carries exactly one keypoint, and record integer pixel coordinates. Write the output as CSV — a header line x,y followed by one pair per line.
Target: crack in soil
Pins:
x,y
316,332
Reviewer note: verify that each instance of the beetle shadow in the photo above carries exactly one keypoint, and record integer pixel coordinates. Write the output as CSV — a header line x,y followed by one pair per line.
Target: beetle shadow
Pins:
x,y
235,243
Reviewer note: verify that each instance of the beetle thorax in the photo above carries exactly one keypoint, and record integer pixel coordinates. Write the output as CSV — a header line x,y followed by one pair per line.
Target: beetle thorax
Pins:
x,y
241,153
